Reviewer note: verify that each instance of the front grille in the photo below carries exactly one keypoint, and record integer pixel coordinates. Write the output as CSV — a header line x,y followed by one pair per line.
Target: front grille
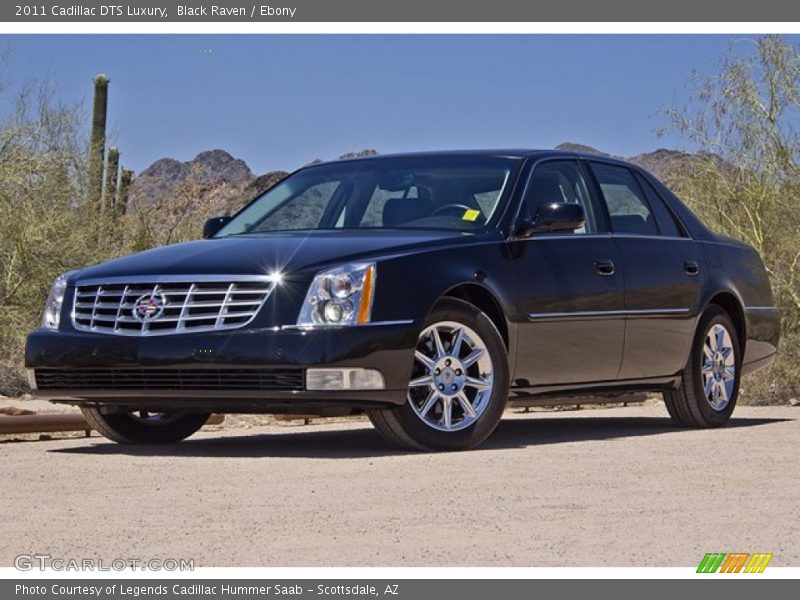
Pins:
x,y
276,379
166,307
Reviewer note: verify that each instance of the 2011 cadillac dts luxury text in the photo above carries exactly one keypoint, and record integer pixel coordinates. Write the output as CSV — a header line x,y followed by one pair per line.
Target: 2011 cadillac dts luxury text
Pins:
x,y
160,12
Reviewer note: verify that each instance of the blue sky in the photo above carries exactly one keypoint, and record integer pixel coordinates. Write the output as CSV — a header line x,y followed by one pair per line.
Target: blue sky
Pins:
x,y
279,102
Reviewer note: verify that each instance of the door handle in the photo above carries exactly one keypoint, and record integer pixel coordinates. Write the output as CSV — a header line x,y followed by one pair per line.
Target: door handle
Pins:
x,y
691,267
604,267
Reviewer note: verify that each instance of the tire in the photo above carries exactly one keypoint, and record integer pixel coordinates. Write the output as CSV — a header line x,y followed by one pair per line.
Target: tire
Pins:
x,y
147,428
479,384
691,404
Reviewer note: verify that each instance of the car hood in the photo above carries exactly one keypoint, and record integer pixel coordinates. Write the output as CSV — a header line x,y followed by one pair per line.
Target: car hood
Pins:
x,y
264,254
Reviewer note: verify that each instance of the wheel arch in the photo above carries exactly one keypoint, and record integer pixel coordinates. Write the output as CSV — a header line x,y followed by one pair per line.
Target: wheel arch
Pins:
x,y
485,300
732,305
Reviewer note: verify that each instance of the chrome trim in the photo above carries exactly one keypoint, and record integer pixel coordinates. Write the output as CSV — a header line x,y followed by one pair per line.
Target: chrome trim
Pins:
x,y
757,308
729,243
353,326
600,234
637,236
609,313
106,311
561,236
175,279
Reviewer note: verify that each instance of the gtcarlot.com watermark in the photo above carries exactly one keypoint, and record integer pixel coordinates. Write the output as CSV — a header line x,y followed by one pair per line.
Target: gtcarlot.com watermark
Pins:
x,y
47,562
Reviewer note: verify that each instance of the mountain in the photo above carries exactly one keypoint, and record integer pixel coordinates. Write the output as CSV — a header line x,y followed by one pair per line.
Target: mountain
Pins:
x,y
212,167
663,163
359,154
583,149
210,171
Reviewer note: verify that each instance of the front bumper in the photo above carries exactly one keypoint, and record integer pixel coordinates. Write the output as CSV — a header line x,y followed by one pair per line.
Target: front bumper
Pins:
x,y
386,347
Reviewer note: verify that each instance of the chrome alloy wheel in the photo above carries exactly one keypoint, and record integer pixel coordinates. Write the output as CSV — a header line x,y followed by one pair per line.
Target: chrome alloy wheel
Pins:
x,y
718,367
452,379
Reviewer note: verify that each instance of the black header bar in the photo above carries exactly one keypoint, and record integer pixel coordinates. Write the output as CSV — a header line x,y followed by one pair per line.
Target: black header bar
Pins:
x,y
464,11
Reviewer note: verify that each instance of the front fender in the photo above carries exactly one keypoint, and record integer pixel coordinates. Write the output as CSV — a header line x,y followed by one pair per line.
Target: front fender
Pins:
x,y
409,286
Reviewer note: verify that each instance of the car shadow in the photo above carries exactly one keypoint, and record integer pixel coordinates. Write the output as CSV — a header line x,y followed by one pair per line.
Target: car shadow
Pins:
x,y
365,442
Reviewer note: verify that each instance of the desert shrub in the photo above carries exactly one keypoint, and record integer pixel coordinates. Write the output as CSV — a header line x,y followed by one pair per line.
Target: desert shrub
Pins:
x,y
45,227
745,179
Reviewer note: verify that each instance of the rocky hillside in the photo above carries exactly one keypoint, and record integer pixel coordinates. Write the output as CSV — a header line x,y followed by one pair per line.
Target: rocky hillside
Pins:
x,y
213,167
214,173
662,163
582,148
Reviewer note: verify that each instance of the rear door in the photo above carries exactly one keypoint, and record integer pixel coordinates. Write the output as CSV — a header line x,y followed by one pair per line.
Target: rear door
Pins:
x,y
569,288
663,273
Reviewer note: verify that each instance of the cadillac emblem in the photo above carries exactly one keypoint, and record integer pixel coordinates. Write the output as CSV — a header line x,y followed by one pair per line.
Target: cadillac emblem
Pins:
x,y
149,307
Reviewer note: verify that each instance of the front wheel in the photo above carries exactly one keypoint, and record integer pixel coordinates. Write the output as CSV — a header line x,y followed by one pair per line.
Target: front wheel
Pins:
x,y
710,383
459,383
143,427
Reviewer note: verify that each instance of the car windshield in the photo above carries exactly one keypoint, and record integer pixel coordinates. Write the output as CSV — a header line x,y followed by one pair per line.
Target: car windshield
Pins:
x,y
450,193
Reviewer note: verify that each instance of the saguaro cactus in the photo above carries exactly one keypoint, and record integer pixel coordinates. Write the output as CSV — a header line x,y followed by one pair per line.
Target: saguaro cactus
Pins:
x,y
112,173
98,141
121,204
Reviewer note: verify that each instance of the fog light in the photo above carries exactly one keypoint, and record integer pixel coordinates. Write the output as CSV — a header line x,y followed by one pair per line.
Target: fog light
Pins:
x,y
344,379
325,379
366,379
31,374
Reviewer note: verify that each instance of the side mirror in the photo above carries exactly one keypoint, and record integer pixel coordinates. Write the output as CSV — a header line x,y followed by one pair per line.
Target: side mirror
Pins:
x,y
213,225
554,216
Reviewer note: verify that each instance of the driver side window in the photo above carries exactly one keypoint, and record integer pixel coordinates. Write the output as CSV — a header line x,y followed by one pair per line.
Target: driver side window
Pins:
x,y
559,181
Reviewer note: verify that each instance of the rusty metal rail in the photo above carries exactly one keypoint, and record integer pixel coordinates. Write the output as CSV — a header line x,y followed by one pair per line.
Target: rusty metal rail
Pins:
x,y
59,422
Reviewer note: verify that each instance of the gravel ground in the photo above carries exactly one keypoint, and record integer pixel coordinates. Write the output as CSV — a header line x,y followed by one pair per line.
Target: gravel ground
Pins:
x,y
617,487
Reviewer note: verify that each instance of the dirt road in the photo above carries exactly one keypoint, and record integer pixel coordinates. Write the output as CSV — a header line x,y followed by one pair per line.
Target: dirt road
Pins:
x,y
616,487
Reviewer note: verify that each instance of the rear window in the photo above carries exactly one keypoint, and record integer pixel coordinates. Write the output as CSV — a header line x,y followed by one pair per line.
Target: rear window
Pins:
x,y
625,200
666,222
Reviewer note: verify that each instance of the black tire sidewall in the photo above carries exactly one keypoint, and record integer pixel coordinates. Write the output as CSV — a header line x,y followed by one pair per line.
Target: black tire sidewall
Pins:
x,y
469,437
713,315
128,429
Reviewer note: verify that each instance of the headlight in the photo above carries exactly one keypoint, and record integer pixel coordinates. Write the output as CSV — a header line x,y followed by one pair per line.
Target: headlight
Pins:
x,y
55,300
340,296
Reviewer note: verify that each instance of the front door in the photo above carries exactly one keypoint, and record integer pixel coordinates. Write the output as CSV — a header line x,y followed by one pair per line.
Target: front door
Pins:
x,y
569,288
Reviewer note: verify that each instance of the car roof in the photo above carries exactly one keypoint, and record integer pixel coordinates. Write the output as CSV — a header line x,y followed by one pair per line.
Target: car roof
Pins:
x,y
490,153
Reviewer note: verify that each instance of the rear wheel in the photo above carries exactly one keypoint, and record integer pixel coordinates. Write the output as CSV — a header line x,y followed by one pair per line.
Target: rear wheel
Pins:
x,y
143,427
459,383
710,384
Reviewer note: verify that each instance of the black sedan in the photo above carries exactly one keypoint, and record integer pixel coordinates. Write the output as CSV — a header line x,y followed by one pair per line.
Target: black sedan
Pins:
x,y
426,290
